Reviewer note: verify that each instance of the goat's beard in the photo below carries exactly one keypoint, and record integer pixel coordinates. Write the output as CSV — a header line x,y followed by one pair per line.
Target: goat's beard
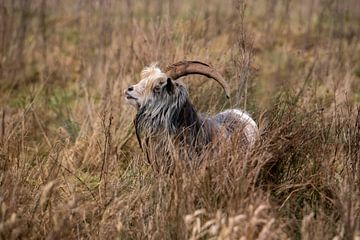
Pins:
x,y
155,125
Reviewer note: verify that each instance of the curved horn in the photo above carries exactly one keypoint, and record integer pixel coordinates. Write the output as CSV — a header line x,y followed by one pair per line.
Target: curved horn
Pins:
x,y
183,68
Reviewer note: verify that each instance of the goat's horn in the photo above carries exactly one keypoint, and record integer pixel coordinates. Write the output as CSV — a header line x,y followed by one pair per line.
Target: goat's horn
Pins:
x,y
183,68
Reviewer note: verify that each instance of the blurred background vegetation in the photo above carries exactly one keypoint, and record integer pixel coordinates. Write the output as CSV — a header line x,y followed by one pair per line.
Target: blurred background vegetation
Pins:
x,y
70,164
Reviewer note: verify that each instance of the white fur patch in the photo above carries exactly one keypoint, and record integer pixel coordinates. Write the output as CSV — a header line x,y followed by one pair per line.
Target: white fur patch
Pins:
x,y
151,72
251,129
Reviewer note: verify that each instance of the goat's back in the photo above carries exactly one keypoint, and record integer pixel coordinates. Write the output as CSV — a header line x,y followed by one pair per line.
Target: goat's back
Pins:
x,y
238,122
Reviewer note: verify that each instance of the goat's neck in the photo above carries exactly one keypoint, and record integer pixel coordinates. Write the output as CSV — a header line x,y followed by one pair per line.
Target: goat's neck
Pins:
x,y
186,117
190,128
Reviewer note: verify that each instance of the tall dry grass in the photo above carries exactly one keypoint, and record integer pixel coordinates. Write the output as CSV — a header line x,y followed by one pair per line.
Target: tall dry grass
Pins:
x,y
70,164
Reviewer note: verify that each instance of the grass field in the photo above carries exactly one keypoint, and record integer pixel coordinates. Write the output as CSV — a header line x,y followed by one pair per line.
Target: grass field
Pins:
x,y
70,165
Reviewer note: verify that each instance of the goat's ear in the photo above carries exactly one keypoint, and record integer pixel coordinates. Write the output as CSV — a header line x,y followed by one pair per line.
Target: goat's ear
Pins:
x,y
170,88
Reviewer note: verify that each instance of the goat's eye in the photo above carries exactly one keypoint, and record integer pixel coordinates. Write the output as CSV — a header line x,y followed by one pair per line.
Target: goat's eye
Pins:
x,y
157,88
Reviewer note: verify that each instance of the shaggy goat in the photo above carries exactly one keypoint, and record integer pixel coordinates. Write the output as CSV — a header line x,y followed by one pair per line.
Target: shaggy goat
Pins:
x,y
166,116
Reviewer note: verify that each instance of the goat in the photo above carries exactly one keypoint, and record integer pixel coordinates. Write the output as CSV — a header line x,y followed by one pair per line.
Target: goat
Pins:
x,y
166,116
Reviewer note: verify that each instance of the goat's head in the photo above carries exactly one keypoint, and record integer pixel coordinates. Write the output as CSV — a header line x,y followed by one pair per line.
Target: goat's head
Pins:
x,y
165,88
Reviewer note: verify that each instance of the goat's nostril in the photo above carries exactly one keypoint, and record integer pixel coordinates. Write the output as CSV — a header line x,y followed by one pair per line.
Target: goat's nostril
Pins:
x,y
130,88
